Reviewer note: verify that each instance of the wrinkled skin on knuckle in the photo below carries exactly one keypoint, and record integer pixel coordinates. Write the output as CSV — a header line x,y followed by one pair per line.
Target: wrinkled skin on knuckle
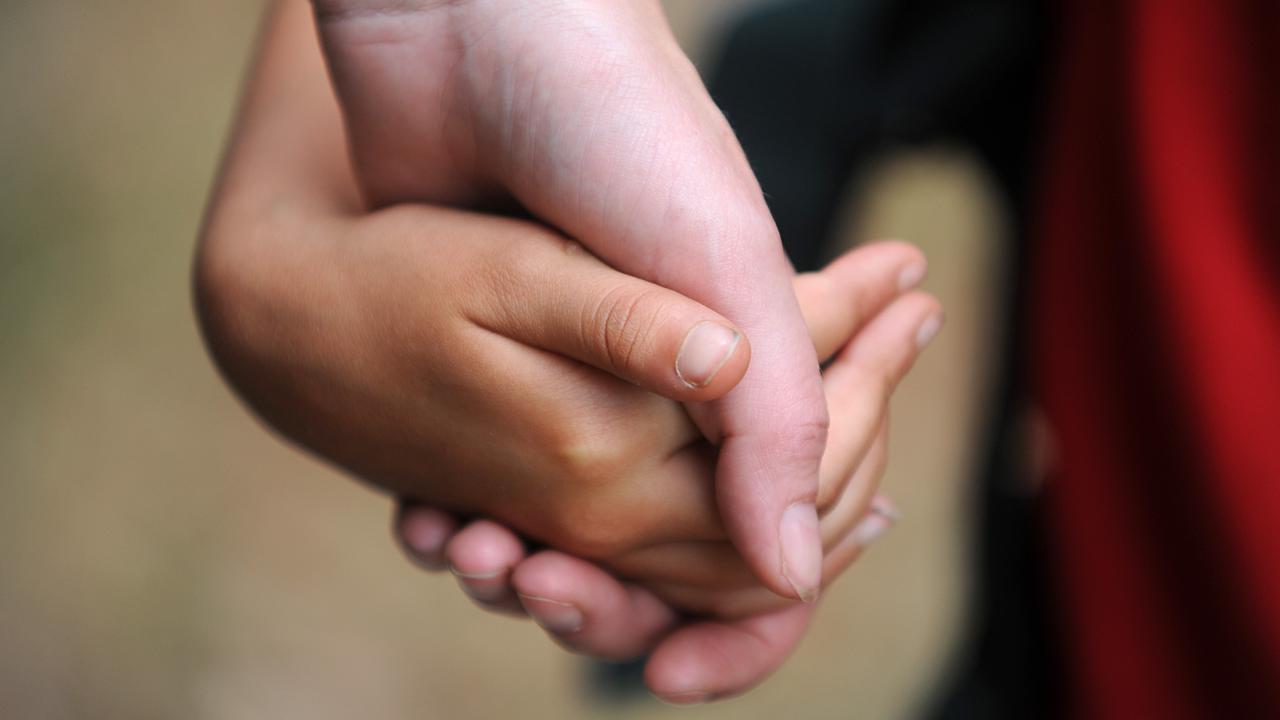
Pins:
x,y
808,434
622,322
799,446
503,276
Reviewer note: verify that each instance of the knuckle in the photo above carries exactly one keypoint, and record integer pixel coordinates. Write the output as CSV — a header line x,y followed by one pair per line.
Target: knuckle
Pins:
x,y
585,456
797,449
621,322
806,439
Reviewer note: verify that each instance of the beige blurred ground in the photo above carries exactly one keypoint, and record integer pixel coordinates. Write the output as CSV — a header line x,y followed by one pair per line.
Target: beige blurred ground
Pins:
x,y
161,556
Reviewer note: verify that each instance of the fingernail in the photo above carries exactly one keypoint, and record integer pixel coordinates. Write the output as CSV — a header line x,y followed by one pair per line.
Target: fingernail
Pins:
x,y
928,330
912,276
554,616
692,697
486,575
882,505
801,550
871,528
706,349
482,586
425,543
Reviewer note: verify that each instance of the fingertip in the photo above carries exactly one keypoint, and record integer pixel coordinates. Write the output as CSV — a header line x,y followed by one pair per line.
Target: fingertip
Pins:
x,y
714,660
930,327
711,360
909,260
481,557
912,275
676,672
550,587
483,548
881,517
586,609
769,509
423,532
693,697
853,289
546,574
800,544
894,339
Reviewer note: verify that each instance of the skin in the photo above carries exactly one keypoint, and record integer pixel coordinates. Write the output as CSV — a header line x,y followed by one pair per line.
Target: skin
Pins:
x,y
587,113
463,362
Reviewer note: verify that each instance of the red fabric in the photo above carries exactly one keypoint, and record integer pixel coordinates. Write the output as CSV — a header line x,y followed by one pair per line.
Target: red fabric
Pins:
x,y
1156,350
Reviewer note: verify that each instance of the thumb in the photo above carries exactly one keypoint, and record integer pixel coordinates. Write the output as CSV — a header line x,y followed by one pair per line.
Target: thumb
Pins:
x,y
560,298
629,155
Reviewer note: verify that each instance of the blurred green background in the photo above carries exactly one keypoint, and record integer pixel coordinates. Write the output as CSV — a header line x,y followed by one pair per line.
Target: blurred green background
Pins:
x,y
162,556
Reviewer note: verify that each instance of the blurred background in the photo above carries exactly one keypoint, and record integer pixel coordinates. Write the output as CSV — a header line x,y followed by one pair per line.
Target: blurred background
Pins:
x,y
162,556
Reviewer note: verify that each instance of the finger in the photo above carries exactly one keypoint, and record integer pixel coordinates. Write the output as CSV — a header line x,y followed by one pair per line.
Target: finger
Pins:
x,y
854,288
481,556
587,610
671,501
880,518
422,532
678,502
695,565
772,515
845,537
709,577
548,292
851,497
716,564
709,660
686,213
858,384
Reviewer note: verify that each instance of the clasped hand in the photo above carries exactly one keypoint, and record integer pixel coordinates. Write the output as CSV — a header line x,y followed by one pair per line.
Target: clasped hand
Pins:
x,y
488,367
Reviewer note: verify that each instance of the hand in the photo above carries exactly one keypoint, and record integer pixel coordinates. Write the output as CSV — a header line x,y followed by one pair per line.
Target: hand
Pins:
x,y
428,350
273,289
589,611
587,113
365,350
